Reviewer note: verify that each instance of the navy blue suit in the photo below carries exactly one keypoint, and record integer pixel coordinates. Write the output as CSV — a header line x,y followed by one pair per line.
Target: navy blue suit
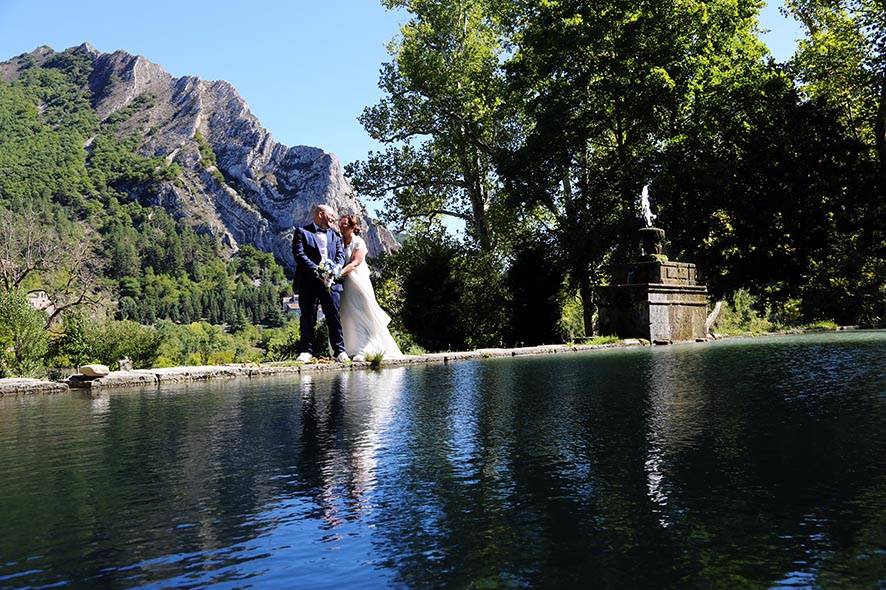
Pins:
x,y
311,289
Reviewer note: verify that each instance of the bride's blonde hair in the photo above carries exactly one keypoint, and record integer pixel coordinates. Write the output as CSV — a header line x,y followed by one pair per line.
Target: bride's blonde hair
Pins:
x,y
354,222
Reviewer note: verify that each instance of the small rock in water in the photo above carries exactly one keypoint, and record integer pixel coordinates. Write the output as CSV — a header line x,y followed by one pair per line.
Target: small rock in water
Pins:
x,y
94,370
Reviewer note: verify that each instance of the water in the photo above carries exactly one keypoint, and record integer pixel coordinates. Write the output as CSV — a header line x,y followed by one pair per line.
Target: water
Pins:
x,y
747,463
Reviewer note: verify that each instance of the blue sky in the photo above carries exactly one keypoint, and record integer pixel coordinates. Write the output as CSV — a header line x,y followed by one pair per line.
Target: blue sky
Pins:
x,y
306,68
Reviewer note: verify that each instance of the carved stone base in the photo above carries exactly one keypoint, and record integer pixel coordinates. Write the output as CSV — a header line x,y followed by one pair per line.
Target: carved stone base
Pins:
x,y
659,313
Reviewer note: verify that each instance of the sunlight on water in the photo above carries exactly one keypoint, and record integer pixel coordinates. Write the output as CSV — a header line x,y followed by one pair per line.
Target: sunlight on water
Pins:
x,y
756,463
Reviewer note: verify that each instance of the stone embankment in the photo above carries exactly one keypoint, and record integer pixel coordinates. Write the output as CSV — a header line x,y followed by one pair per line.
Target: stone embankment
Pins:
x,y
171,375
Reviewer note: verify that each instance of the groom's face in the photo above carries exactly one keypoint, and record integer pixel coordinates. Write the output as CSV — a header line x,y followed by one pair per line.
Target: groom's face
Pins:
x,y
323,217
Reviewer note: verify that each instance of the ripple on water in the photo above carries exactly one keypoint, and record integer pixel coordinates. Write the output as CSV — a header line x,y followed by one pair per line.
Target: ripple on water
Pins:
x,y
756,463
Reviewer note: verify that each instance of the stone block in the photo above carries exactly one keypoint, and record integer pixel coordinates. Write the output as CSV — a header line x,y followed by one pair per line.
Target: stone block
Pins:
x,y
95,370
657,311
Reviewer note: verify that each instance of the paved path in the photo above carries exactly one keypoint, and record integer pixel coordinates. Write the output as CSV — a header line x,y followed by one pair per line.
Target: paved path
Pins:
x,y
158,377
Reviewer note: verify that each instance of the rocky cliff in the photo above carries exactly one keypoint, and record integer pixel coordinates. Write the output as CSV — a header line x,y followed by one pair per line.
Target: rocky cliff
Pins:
x,y
237,182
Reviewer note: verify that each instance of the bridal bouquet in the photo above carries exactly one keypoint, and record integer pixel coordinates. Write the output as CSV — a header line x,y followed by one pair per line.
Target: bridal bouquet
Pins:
x,y
328,272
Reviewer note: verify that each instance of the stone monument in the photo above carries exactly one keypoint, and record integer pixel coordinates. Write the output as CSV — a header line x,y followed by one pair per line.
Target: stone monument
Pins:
x,y
654,298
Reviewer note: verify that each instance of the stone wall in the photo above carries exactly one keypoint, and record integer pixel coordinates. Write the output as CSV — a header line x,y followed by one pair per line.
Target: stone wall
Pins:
x,y
656,300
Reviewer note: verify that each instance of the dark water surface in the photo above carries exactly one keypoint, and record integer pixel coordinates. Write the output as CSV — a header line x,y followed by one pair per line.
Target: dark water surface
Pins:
x,y
747,463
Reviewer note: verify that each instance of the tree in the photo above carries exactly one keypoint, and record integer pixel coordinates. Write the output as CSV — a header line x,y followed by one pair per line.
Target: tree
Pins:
x,y
605,86
534,281
842,62
770,192
36,254
23,340
431,293
441,118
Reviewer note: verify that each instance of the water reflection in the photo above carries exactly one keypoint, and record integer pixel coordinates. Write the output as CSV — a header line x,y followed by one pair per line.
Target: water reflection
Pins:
x,y
703,464
676,407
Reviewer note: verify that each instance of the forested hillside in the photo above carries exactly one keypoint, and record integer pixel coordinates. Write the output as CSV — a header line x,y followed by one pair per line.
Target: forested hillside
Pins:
x,y
85,183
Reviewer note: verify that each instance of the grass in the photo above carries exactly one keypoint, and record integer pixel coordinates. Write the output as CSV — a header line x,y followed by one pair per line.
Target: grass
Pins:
x,y
595,341
822,325
375,359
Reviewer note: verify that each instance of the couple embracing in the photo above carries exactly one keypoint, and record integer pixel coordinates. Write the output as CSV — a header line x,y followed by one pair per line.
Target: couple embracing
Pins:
x,y
331,270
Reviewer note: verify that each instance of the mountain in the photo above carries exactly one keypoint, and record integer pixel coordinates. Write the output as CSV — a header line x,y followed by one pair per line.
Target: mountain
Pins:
x,y
232,180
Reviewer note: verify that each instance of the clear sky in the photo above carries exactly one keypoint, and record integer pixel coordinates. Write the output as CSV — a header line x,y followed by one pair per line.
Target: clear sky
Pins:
x,y
306,67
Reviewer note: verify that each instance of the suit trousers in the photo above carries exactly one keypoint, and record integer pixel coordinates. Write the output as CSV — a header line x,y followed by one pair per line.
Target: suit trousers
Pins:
x,y
310,293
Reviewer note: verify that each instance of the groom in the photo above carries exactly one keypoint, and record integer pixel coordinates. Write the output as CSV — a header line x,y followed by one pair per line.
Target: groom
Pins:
x,y
311,244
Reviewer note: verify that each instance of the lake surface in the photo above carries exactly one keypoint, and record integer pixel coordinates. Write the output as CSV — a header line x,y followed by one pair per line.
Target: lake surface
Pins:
x,y
744,463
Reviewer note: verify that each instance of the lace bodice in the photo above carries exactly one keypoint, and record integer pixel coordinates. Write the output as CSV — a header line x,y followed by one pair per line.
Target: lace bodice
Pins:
x,y
357,243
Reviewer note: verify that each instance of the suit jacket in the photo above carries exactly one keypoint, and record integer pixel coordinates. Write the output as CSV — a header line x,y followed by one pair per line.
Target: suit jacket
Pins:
x,y
307,256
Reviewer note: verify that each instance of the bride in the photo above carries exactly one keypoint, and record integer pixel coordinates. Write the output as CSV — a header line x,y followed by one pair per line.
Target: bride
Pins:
x,y
364,323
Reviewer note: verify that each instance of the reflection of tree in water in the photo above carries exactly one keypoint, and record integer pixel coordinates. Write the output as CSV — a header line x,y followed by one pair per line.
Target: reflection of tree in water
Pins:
x,y
668,468
747,480
511,481
651,470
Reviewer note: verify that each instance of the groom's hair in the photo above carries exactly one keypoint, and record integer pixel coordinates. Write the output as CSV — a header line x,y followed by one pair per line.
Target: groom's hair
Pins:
x,y
318,206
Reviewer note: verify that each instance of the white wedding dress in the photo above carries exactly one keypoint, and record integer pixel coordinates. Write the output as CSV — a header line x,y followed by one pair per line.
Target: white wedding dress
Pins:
x,y
364,324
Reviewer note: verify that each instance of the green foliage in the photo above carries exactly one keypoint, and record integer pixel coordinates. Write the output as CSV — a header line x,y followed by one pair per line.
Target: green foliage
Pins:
x,y
441,119
23,338
604,87
431,291
112,340
75,345
93,339
375,359
208,159
841,62
282,343
571,323
201,343
769,181
443,296
822,325
534,281
115,166
139,103
599,340
741,315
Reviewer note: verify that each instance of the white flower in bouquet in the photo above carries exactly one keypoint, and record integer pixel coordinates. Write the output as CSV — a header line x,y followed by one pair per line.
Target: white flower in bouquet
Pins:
x,y
328,272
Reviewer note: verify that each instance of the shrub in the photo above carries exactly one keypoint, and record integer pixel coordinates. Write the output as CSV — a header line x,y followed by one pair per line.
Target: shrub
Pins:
x,y
534,282
741,316
113,339
280,344
24,342
572,323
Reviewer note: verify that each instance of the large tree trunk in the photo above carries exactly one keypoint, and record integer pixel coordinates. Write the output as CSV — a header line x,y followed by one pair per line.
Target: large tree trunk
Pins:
x,y
473,174
586,291
880,136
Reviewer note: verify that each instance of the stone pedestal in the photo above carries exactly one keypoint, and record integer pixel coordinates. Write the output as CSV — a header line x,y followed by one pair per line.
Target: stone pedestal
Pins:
x,y
655,299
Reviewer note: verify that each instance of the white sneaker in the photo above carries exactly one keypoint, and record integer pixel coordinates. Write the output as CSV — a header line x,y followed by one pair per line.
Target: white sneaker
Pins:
x,y
304,357
359,358
343,357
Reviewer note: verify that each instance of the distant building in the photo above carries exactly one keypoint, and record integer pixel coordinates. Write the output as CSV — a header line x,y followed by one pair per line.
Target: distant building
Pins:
x,y
290,307
40,301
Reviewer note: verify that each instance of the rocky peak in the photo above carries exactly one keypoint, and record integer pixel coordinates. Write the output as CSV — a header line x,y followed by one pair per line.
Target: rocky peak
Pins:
x,y
85,48
254,192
